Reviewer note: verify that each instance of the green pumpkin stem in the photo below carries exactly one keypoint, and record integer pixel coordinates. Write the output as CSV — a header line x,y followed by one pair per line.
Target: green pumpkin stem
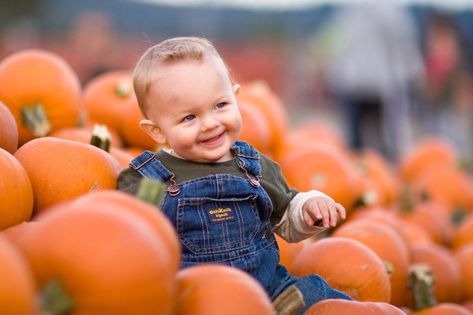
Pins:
x,y
421,280
151,190
35,119
54,300
123,88
100,137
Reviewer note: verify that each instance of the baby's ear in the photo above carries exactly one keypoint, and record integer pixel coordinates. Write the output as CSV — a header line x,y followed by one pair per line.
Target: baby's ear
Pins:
x,y
236,88
152,130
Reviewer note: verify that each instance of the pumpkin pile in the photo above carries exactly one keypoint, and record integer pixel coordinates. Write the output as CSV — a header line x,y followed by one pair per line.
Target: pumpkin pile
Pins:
x,y
71,243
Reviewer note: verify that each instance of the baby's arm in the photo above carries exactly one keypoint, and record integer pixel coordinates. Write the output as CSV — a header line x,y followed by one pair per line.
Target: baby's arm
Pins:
x,y
301,219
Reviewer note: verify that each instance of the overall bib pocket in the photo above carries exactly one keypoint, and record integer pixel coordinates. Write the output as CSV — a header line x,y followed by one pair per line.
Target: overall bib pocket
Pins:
x,y
208,225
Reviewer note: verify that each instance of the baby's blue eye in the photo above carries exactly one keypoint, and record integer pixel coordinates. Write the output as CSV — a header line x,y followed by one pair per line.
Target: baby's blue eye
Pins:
x,y
220,105
188,118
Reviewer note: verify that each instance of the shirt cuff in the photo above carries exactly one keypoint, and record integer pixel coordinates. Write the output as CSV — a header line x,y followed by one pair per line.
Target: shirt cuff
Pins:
x,y
292,226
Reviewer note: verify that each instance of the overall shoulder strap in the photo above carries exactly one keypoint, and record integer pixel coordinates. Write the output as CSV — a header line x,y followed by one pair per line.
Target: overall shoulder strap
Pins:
x,y
149,166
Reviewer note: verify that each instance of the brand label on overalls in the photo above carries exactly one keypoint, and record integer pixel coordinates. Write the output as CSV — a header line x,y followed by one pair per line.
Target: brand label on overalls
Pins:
x,y
221,215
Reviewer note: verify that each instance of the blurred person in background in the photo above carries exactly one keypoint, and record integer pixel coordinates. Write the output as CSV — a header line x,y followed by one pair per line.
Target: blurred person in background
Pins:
x,y
374,70
448,90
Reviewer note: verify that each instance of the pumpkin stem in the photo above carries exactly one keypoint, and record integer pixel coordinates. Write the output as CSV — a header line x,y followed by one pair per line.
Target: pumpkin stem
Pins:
x,y
289,302
389,267
151,190
123,88
54,300
406,204
100,137
35,119
421,280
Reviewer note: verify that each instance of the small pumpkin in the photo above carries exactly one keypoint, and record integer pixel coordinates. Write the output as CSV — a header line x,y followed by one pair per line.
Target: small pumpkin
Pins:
x,y
323,169
255,128
339,307
42,92
258,94
15,190
388,245
209,289
107,98
61,170
347,265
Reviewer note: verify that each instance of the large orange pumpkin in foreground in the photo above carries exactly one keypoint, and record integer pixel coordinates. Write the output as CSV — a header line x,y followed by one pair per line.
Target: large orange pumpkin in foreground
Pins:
x,y
120,201
16,192
42,92
17,287
220,290
61,170
104,261
347,265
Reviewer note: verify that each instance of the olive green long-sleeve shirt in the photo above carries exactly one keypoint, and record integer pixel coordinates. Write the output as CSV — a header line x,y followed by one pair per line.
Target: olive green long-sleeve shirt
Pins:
x,y
272,179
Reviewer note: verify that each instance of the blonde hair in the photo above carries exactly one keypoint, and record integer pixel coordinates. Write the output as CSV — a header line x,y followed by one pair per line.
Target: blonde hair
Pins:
x,y
167,52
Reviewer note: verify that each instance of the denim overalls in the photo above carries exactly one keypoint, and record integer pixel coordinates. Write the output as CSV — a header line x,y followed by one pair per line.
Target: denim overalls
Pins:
x,y
225,219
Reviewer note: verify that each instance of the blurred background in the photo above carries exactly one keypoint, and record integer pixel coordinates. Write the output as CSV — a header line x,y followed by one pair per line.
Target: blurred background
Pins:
x,y
383,73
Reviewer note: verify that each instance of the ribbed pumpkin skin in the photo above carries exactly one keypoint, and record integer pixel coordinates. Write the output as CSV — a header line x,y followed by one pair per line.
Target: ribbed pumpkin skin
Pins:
x,y
61,170
107,262
8,130
342,307
16,192
464,257
17,288
347,265
35,76
220,290
389,246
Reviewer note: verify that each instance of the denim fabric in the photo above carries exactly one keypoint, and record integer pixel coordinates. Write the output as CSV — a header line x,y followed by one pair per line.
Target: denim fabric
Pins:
x,y
225,219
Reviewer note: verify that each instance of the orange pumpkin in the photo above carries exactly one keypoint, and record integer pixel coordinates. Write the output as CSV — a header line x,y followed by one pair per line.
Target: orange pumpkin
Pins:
x,y
374,166
8,130
120,201
445,269
431,217
347,265
131,132
61,170
428,156
84,135
314,133
15,190
258,94
42,92
388,245
107,98
209,289
104,261
323,169
463,234
288,251
255,129
444,309
464,257
339,307
17,288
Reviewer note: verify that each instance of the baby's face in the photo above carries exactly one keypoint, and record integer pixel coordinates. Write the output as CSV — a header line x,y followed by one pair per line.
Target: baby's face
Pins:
x,y
194,107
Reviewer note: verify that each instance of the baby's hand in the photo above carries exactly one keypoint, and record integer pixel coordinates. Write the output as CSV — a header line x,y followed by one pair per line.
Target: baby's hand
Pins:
x,y
322,211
